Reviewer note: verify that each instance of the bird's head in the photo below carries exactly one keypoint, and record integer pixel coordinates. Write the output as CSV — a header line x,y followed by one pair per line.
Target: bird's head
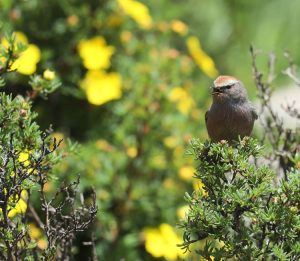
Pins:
x,y
228,88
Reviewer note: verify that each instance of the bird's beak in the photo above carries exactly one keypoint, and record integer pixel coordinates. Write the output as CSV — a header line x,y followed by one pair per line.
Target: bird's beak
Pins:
x,y
216,91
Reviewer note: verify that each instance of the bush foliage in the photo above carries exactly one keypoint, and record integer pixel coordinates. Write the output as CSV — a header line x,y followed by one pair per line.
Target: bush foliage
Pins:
x,y
244,211
129,81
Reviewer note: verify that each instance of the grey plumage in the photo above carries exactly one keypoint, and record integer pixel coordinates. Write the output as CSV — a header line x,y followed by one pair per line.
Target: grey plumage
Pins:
x,y
231,114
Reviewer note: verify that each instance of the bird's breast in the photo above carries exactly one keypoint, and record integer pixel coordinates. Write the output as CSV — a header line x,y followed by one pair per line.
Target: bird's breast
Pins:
x,y
229,122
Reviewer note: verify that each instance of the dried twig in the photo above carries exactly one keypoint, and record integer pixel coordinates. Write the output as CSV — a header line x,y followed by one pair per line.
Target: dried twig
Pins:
x,y
281,138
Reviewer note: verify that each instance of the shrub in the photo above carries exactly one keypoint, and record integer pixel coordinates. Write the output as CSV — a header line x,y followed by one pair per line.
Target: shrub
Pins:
x,y
28,156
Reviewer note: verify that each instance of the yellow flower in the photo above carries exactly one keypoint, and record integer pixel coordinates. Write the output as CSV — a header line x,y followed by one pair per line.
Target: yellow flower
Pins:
x,y
48,186
137,11
28,59
179,27
154,242
20,204
199,186
101,87
95,53
183,100
36,234
49,75
104,145
24,158
182,211
126,36
205,63
168,183
176,94
72,20
42,243
26,64
34,231
162,242
186,172
132,152
170,142
19,37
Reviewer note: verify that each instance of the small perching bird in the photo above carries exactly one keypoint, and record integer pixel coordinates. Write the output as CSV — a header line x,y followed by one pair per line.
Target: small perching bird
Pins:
x,y
231,115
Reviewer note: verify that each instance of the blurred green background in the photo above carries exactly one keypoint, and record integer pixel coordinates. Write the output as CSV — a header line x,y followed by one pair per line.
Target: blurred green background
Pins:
x,y
135,86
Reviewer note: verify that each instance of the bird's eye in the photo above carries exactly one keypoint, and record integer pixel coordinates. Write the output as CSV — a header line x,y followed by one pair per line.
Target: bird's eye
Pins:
x,y
226,87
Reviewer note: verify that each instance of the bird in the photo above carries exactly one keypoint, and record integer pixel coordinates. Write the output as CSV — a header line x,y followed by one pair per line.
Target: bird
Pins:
x,y
231,114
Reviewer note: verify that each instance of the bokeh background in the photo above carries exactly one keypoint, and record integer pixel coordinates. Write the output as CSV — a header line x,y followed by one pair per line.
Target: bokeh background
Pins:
x,y
135,86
